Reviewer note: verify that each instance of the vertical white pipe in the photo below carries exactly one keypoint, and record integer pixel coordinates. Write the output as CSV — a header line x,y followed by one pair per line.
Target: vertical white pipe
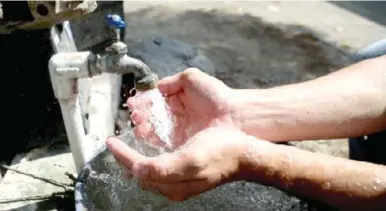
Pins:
x,y
65,68
72,118
98,97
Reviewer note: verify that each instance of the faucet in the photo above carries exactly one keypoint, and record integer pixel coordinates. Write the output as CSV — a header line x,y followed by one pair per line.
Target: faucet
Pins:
x,y
67,67
116,60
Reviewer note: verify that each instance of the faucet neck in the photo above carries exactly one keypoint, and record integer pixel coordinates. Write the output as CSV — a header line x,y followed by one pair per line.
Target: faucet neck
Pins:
x,y
117,48
146,83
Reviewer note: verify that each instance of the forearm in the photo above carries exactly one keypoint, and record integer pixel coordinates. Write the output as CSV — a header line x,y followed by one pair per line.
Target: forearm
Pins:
x,y
335,181
349,102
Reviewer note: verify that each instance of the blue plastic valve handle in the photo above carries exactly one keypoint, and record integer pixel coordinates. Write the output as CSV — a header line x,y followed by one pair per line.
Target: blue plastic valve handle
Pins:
x,y
115,21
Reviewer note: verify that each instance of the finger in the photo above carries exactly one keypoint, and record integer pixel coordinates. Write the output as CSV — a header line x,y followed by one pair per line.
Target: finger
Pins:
x,y
138,102
179,191
138,117
166,168
180,136
153,140
123,166
175,104
143,130
131,103
126,172
126,155
170,84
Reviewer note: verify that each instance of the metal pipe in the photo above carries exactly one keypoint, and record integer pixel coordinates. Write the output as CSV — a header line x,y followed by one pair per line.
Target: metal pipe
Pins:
x,y
118,62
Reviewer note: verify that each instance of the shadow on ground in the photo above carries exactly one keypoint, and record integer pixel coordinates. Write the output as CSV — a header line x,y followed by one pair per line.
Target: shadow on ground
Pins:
x,y
372,10
247,52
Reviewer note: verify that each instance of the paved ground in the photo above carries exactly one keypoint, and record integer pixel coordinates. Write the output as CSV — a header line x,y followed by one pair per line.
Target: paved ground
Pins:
x,y
372,10
352,23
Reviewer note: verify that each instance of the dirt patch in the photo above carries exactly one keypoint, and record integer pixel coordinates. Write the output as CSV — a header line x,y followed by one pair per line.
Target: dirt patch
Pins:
x,y
247,52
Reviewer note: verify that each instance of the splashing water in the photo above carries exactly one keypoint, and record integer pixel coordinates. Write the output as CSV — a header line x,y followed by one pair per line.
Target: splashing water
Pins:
x,y
107,187
119,191
159,115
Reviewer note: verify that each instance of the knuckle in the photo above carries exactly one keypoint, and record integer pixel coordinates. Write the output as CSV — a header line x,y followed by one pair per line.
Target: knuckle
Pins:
x,y
188,73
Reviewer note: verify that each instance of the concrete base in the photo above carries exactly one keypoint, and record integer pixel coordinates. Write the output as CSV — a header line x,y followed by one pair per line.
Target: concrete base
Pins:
x,y
48,162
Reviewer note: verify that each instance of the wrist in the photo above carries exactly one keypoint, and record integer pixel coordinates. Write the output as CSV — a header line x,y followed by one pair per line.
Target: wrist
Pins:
x,y
242,101
257,161
259,112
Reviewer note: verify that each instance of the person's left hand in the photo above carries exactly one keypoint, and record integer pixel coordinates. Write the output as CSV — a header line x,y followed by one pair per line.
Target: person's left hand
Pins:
x,y
210,158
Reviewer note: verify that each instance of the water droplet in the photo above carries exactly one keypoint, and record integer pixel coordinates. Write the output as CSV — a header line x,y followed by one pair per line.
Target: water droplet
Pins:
x,y
377,181
160,115
327,185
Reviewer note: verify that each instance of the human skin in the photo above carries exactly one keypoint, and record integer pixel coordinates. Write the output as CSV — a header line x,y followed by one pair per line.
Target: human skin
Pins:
x,y
346,103
222,154
339,182
350,102
196,100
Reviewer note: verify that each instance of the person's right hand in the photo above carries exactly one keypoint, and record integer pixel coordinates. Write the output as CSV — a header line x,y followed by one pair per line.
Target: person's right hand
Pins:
x,y
196,100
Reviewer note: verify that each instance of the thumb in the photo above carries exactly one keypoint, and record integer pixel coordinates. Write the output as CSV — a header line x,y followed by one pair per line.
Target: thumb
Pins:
x,y
167,168
122,152
170,84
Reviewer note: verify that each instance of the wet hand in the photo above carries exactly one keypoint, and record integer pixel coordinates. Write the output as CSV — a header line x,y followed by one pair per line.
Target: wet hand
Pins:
x,y
196,101
210,158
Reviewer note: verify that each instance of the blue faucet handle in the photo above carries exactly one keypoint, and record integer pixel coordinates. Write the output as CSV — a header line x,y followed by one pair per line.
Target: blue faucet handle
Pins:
x,y
115,21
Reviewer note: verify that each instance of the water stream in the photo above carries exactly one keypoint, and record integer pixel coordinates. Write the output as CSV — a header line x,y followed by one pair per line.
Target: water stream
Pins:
x,y
159,113
119,191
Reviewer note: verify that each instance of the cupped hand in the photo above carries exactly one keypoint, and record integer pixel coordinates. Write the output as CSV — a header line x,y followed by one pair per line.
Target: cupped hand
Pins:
x,y
210,158
196,101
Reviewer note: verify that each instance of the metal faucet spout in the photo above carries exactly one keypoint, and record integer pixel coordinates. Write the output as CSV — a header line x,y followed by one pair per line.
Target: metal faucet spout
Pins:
x,y
145,79
118,62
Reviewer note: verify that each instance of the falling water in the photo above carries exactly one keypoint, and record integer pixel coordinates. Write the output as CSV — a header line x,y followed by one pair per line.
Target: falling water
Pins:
x,y
159,115
119,191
